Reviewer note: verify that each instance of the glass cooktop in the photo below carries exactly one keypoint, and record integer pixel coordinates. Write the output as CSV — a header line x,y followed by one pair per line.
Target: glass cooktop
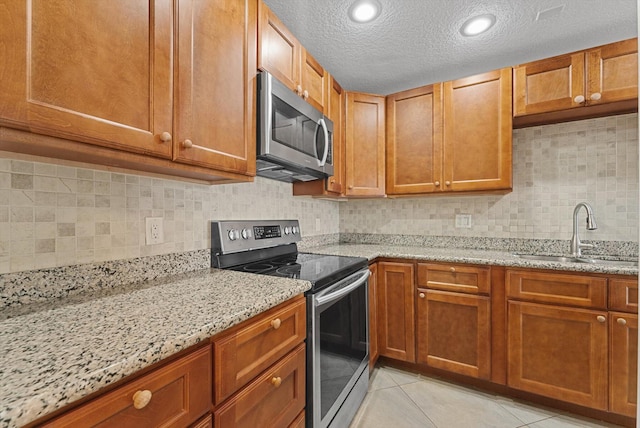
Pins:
x,y
319,269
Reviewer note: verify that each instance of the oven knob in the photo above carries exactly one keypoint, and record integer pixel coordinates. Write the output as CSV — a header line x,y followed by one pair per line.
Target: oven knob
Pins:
x,y
287,230
234,234
295,230
246,233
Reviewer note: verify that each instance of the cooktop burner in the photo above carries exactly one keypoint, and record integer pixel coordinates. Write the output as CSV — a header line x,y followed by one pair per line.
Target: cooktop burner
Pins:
x,y
319,269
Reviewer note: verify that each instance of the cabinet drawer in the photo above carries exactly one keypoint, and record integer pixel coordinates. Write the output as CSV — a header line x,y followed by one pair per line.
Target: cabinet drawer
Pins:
x,y
240,357
623,295
454,277
274,399
566,289
180,394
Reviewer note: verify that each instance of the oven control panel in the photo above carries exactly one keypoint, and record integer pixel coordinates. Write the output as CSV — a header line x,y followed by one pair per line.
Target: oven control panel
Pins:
x,y
243,235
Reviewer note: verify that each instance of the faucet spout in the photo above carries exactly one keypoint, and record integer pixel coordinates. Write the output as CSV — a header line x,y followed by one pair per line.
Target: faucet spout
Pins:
x,y
576,244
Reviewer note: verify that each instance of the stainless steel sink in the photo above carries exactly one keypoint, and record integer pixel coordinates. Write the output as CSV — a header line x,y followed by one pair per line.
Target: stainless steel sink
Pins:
x,y
565,259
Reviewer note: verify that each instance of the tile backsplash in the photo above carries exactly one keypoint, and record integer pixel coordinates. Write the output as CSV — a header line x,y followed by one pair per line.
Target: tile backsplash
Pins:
x,y
53,215
554,167
57,215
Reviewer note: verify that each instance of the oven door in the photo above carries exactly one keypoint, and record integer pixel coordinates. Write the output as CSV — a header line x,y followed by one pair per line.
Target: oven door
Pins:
x,y
338,355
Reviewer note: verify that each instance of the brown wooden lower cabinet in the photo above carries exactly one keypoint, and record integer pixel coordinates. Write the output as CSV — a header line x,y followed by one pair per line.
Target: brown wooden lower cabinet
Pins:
x,y
558,352
242,355
396,330
300,421
373,316
206,422
274,399
175,395
623,371
454,332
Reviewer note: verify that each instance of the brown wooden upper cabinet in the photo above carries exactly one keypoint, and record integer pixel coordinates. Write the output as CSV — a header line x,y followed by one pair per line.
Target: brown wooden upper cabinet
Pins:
x,y
333,186
451,137
602,75
282,55
119,75
414,141
364,145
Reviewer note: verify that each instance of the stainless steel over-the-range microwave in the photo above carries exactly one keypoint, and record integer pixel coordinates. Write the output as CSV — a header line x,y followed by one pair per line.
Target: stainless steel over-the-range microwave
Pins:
x,y
295,140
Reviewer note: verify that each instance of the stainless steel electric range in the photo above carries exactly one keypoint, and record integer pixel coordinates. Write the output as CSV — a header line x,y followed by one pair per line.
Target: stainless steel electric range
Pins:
x,y
337,309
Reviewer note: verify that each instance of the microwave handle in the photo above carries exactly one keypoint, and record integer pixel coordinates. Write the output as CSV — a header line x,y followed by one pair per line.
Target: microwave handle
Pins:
x,y
326,141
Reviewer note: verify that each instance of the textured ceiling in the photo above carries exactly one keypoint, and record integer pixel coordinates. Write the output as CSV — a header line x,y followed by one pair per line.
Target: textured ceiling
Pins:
x,y
417,42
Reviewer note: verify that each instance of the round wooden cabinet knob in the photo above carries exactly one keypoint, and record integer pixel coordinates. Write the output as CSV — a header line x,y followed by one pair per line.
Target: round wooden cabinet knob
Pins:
x,y
600,318
421,295
437,183
622,321
447,183
299,90
596,96
305,94
165,137
276,323
350,187
579,99
187,144
141,399
276,381
452,269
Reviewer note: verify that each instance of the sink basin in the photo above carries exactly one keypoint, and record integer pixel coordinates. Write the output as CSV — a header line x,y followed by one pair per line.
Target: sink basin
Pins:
x,y
568,259
563,259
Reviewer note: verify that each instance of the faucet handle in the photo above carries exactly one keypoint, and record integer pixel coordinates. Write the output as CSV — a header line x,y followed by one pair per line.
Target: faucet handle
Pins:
x,y
590,246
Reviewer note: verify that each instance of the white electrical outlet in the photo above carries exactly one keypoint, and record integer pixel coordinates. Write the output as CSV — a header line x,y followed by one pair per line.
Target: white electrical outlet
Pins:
x,y
463,221
154,230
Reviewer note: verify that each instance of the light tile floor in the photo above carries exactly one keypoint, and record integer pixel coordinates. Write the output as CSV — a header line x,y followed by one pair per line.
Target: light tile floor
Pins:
x,y
398,399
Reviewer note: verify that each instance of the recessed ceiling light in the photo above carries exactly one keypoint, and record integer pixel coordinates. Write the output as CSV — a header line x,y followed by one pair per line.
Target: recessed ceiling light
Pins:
x,y
477,24
364,10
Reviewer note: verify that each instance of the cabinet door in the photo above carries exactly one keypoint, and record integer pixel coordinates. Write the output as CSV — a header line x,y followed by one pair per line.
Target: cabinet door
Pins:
x,y
98,72
414,141
454,332
373,316
314,82
612,72
241,356
477,132
396,331
278,50
623,294
623,372
558,352
456,278
215,85
549,85
274,399
335,112
179,393
365,145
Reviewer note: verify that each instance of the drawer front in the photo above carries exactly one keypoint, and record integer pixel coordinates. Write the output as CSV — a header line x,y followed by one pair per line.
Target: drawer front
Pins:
x,y
180,394
623,295
275,399
240,357
454,277
565,289
300,421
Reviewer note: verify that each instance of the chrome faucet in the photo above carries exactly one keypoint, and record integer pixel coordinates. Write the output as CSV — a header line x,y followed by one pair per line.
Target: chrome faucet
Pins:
x,y
576,245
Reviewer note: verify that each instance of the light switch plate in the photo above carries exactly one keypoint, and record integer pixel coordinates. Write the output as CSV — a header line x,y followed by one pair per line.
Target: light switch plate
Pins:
x,y
463,221
154,230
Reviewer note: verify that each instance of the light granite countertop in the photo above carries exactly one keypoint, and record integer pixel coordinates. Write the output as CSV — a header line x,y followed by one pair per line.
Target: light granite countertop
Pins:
x,y
53,357
480,257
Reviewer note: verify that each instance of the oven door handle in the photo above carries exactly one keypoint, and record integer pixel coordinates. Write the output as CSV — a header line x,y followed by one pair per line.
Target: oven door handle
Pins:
x,y
341,289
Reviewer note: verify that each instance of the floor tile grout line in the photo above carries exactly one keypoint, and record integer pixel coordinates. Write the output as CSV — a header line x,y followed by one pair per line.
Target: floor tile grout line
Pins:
x,y
416,404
